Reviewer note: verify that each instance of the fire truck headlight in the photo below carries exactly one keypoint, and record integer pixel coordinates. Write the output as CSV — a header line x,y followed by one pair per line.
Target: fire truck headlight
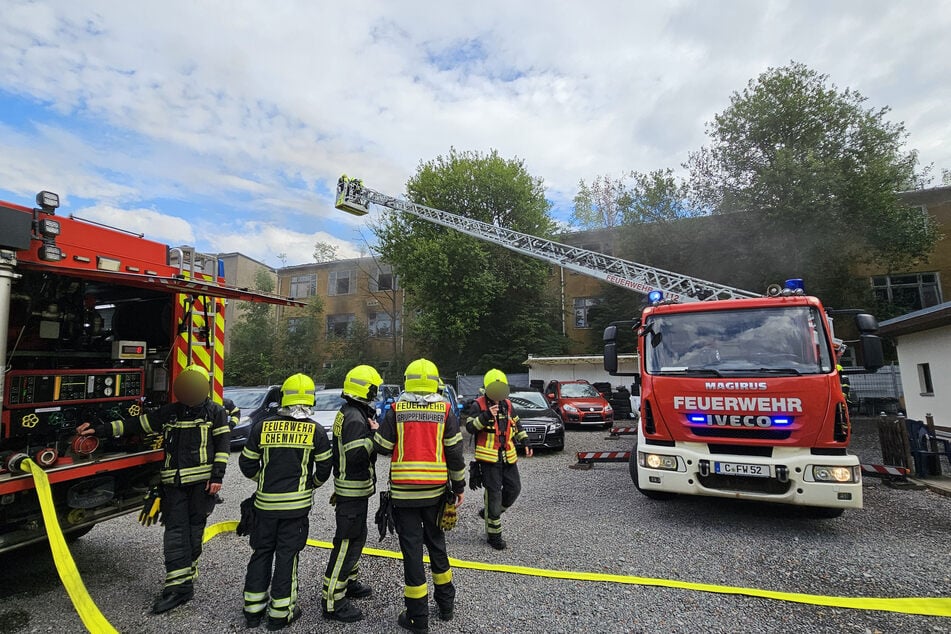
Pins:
x,y
835,474
659,461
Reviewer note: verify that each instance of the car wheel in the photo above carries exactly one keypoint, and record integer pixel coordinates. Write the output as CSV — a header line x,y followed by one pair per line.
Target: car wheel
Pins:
x,y
654,495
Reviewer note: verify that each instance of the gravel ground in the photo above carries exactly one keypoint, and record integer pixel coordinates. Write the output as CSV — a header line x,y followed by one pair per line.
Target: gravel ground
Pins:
x,y
566,519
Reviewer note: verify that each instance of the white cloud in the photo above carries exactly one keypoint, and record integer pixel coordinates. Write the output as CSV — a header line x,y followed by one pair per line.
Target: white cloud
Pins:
x,y
153,224
260,106
266,241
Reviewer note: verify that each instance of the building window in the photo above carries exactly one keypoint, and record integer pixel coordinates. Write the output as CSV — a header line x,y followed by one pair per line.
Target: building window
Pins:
x,y
339,325
380,324
384,280
294,324
924,379
341,283
304,285
911,291
582,306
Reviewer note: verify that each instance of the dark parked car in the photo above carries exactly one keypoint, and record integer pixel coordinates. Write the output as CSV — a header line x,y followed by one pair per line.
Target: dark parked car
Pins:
x,y
254,403
542,424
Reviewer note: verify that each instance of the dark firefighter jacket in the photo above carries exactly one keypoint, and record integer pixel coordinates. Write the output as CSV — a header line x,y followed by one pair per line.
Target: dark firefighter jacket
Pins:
x,y
288,458
423,436
197,440
353,455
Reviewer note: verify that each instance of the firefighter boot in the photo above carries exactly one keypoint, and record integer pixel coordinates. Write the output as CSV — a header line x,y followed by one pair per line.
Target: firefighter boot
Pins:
x,y
279,624
445,611
418,625
345,612
495,541
358,590
171,599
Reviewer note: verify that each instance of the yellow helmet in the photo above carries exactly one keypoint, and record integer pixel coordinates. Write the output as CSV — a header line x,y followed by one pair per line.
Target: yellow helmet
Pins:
x,y
297,390
362,383
496,385
422,377
192,385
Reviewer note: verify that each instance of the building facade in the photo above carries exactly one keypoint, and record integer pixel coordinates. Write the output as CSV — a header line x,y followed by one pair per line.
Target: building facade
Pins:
x,y
357,295
242,272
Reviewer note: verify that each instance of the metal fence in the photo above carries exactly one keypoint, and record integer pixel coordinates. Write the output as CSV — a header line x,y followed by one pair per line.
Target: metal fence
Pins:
x,y
875,392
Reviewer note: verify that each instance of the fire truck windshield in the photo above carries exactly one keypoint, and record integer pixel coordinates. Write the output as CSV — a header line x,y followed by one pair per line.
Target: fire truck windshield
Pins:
x,y
751,342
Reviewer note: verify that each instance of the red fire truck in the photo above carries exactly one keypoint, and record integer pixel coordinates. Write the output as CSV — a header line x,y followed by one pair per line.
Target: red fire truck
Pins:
x,y
94,322
740,395
741,398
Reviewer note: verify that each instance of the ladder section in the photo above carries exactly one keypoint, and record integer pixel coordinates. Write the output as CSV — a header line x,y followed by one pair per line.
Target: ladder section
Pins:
x,y
353,197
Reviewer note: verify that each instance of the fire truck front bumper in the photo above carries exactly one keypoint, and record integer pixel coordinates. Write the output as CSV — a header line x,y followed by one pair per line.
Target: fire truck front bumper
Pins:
x,y
791,475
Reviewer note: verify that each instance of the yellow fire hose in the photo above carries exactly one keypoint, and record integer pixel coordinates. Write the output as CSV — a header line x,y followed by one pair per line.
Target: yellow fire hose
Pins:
x,y
96,623
927,606
92,618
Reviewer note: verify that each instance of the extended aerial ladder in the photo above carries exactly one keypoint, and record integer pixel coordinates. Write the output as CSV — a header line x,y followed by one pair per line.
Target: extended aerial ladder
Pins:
x,y
355,198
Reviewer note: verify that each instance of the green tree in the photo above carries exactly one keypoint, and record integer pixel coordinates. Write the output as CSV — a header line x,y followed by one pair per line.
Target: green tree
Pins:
x,y
477,305
253,359
810,172
300,339
345,352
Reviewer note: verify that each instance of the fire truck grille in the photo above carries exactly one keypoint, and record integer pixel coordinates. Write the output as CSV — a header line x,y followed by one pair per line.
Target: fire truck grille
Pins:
x,y
769,486
726,432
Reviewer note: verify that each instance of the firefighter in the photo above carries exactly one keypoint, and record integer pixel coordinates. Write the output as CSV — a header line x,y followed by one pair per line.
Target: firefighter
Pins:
x,y
422,432
289,456
234,412
354,484
491,421
197,441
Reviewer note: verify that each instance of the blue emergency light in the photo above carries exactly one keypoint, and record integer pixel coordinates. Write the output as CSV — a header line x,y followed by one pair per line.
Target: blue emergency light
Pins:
x,y
795,285
697,418
655,297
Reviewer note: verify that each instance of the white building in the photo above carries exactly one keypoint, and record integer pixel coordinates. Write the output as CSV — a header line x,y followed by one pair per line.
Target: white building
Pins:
x,y
590,368
924,356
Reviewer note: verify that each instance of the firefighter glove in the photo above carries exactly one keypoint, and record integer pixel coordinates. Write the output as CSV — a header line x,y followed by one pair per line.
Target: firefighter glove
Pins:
x,y
247,517
475,475
384,515
151,512
448,516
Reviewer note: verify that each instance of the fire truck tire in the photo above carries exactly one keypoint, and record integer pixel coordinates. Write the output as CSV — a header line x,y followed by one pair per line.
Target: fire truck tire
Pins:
x,y
72,536
825,513
654,495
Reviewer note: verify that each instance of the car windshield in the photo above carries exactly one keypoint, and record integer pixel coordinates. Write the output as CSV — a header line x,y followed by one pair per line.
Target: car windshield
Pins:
x,y
753,342
578,390
532,401
328,401
247,399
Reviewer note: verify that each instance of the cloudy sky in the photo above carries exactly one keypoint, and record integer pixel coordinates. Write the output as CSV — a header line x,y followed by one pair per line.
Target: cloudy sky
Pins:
x,y
226,124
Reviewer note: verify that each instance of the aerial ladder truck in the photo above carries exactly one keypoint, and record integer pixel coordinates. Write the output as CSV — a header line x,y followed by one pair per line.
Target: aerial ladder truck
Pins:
x,y
740,394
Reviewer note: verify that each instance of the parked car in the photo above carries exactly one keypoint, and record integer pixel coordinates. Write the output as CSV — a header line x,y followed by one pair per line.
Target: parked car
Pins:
x,y
386,395
543,425
255,404
326,405
579,403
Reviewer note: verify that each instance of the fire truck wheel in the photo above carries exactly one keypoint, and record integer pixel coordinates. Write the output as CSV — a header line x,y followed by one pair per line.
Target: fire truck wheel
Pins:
x,y
72,536
824,513
654,495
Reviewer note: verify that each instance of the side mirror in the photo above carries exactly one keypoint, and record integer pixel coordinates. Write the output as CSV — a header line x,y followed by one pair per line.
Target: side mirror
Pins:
x,y
873,356
610,357
866,323
551,397
610,334
272,407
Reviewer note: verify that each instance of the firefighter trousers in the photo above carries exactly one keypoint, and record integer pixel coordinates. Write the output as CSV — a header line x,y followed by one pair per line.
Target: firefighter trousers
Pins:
x,y
502,487
277,542
349,539
417,526
185,511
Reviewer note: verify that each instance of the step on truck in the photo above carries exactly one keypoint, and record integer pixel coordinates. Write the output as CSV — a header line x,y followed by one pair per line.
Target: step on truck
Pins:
x,y
95,323
741,398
